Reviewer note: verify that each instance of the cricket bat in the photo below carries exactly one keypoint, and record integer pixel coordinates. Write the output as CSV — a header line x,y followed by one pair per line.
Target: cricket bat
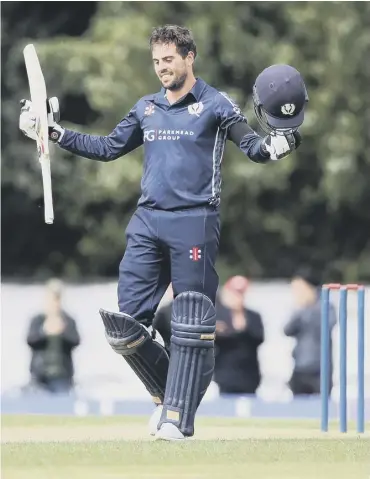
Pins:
x,y
39,97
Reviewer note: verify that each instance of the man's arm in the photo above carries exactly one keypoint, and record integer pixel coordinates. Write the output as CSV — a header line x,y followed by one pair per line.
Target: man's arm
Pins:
x,y
293,327
258,149
253,145
249,142
70,333
252,329
124,138
255,327
36,336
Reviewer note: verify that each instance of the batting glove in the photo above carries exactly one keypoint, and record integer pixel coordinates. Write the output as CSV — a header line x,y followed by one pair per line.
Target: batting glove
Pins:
x,y
28,119
280,145
56,132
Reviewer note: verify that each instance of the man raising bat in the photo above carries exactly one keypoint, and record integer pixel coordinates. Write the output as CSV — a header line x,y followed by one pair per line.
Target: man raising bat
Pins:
x,y
173,236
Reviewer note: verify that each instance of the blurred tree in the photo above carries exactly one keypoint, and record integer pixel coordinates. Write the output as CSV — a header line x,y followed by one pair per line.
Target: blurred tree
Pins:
x,y
310,207
29,247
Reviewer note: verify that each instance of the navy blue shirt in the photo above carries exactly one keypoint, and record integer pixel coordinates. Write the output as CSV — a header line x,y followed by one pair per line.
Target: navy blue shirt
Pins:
x,y
183,145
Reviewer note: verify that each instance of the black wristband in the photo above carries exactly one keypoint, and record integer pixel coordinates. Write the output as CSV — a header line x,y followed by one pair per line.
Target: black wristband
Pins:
x,y
54,134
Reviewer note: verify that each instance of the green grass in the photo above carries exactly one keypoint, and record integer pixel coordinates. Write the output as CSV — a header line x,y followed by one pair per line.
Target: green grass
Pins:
x,y
73,421
270,457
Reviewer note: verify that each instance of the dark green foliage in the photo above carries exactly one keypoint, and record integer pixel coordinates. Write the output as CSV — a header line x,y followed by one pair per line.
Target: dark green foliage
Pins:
x,y
312,206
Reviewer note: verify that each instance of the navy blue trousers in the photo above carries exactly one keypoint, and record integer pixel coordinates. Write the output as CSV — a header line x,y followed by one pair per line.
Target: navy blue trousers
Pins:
x,y
163,247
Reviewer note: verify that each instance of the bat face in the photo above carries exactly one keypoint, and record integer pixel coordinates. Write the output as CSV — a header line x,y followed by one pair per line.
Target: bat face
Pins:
x,y
39,98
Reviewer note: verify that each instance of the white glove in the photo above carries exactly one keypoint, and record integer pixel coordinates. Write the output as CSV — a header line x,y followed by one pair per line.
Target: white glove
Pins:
x,y
28,119
279,146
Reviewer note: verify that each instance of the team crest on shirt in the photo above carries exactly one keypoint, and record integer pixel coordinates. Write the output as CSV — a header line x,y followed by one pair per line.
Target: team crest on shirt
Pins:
x,y
196,109
149,110
195,254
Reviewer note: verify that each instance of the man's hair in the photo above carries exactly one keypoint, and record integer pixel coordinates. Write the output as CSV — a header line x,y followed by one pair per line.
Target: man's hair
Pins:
x,y
310,274
179,36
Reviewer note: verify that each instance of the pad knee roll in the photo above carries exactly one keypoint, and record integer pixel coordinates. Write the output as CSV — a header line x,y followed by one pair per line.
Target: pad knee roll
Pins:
x,y
193,321
124,334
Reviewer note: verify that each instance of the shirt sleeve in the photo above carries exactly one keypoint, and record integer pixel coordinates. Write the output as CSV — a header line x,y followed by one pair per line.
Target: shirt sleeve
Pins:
x,y
227,111
70,334
36,336
293,327
255,327
126,137
240,133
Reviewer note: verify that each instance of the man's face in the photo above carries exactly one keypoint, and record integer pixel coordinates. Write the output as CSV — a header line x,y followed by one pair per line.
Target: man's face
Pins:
x,y
171,69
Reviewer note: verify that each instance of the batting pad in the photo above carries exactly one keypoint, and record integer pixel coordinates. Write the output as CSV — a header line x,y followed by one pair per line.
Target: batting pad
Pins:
x,y
147,358
192,359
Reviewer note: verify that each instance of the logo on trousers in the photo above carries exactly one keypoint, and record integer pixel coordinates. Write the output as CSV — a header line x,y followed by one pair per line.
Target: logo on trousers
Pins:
x,y
195,254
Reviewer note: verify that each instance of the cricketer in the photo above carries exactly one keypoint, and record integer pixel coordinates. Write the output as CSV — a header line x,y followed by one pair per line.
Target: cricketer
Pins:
x,y
173,236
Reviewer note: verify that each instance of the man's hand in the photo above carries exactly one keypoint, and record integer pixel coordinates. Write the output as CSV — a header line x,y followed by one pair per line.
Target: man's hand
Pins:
x,y
54,325
220,326
281,145
28,119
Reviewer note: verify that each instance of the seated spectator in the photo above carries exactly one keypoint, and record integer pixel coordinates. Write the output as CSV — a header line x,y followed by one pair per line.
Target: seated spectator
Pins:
x,y
239,333
52,336
305,327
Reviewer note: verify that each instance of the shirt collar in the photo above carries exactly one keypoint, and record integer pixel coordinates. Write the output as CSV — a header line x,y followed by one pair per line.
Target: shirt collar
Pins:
x,y
196,92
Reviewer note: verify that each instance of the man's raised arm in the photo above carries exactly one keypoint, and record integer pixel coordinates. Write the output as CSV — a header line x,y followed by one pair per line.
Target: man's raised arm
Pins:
x,y
124,138
258,149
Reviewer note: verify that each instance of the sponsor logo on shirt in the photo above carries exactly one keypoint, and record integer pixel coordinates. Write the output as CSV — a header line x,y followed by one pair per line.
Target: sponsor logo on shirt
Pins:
x,y
166,135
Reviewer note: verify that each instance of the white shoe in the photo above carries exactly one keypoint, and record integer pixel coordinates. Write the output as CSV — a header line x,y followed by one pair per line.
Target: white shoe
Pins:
x,y
169,432
154,420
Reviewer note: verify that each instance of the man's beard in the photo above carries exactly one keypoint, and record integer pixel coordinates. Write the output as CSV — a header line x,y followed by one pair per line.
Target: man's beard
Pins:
x,y
177,83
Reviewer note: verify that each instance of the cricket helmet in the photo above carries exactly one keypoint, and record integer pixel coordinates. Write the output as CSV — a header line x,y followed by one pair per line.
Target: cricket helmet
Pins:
x,y
279,99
